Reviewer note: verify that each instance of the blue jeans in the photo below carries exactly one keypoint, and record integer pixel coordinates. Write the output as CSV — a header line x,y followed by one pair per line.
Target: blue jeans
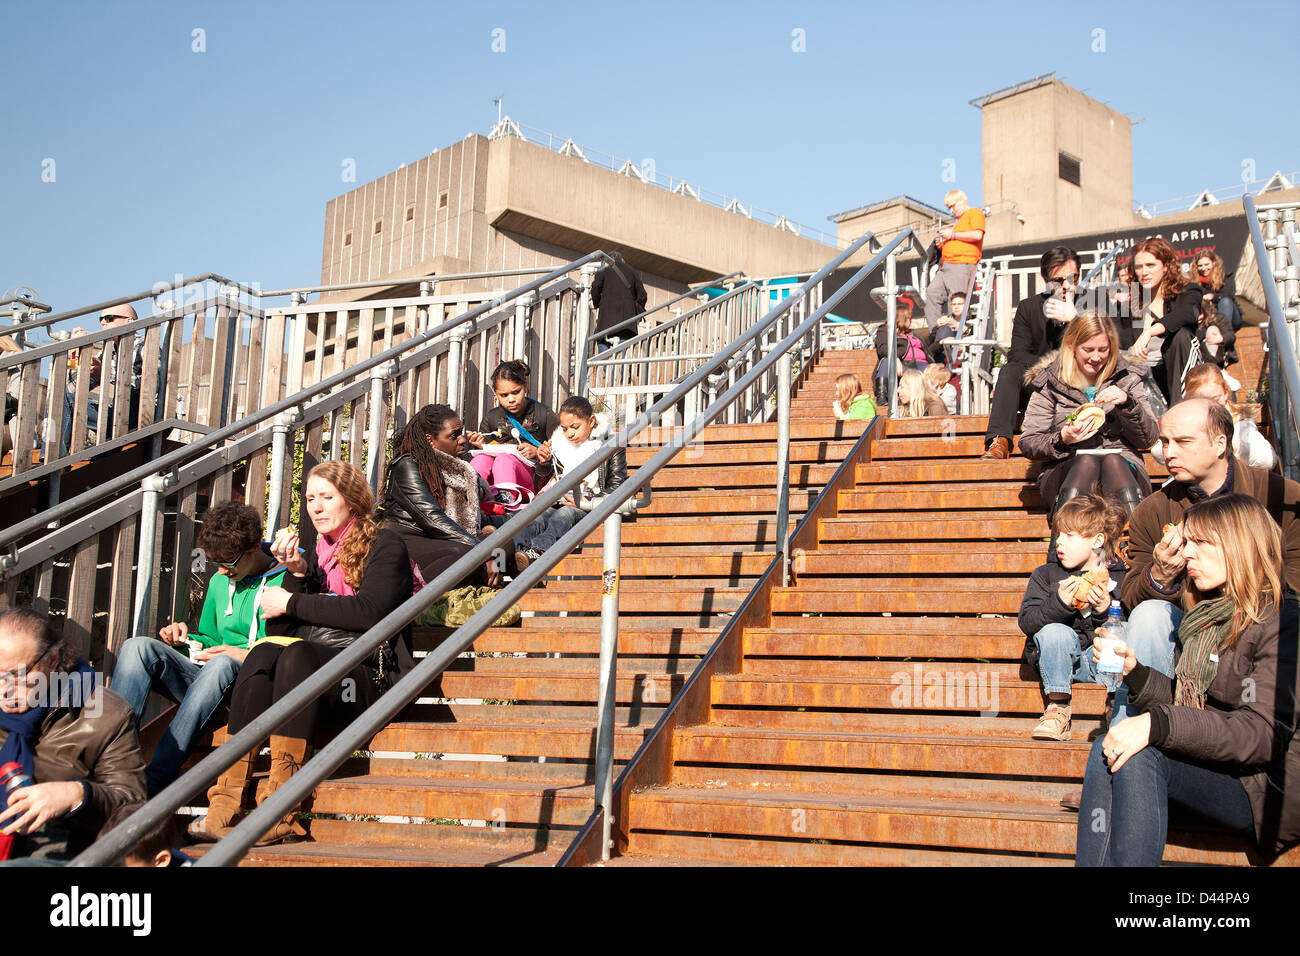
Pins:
x,y
1061,659
92,417
1152,632
145,664
1124,816
549,528
1227,307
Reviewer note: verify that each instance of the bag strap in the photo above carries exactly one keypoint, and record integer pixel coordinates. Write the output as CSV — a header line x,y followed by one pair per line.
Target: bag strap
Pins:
x,y
523,432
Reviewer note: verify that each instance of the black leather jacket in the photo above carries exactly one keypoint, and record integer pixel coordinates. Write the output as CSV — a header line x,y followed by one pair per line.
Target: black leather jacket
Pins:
x,y
411,506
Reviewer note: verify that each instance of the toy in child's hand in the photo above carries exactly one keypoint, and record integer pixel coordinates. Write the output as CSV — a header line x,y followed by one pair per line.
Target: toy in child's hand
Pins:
x,y
1090,415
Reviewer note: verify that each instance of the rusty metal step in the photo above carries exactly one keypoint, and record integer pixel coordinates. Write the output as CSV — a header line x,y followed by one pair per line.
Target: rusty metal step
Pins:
x,y
729,502
953,424
919,724
808,599
805,639
744,476
935,525
898,753
634,599
329,853
569,740
938,686
541,685
941,497
658,849
961,469
739,530
943,446
921,557
695,455
559,639
734,565
884,819
760,432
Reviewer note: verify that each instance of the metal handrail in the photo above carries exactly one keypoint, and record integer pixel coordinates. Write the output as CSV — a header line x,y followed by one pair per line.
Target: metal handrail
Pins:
x,y
402,280
672,323
634,320
174,458
1281,349
289,794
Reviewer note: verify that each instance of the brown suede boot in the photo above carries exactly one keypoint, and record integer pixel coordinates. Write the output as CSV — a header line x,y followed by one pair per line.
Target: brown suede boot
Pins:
x,y
224,801
288,754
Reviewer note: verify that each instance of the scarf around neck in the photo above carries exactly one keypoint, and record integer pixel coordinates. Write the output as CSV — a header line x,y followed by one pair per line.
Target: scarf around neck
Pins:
x,y
1201,634
327,556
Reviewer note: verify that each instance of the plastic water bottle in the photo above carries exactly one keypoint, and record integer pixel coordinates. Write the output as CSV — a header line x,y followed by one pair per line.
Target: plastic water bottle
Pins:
x,y
1110,668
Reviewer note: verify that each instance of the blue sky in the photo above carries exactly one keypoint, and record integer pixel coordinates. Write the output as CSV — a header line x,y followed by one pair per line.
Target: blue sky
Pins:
x,y
169,160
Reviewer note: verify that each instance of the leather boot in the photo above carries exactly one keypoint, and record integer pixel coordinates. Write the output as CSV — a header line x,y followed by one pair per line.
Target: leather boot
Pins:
x,y
999,449
224,801
288,754
1130,498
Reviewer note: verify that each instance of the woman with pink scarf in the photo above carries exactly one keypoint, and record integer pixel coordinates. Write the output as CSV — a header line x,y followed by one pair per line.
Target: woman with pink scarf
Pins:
x,y
355,576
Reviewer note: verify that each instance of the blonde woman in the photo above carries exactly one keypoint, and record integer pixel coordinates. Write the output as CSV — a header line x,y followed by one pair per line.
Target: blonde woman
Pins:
x,y
1078,455
917,397
1217,737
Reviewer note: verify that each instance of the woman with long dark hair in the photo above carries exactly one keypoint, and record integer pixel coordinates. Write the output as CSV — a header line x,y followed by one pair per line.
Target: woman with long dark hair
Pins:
x,y
1217,738
432,495
356,575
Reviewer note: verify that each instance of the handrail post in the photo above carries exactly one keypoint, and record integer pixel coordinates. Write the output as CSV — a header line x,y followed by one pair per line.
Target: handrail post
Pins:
x,y
379,375
522,307
891,316
455,355
284,423
607,697
152,489
783,384
580,344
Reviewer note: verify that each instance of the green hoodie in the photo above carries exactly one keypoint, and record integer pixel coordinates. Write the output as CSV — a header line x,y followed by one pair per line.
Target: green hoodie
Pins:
x,y
229,609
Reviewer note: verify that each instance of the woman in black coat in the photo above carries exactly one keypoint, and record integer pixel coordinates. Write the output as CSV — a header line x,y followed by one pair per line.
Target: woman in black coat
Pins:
x,y
432,495
1173,308
618,294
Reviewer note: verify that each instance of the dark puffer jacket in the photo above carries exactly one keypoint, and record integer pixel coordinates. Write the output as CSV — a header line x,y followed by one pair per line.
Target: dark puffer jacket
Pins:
x,y
1042,606
1131,427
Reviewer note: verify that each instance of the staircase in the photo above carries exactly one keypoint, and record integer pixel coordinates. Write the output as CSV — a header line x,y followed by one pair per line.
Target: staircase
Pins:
x,y
503,774
882,716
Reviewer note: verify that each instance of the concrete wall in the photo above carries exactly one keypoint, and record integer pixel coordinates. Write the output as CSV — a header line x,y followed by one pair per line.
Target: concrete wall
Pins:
x,y
1023,135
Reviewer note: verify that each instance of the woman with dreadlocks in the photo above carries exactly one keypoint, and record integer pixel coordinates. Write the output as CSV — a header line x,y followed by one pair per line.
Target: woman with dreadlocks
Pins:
x,y
432,495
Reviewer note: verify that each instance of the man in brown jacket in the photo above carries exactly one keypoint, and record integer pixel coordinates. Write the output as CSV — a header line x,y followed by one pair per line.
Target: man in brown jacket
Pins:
x,y
1197,436
74,737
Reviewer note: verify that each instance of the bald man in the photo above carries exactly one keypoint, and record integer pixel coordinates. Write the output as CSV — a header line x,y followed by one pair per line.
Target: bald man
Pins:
x,y
1197,437
111,317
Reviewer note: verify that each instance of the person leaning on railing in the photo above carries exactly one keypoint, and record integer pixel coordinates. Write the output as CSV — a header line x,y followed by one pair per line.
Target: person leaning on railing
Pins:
x,y
77,740
357,574
1216,737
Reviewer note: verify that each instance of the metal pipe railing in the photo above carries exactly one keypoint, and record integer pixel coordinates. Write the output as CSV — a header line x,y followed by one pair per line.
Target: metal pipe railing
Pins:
x,y
229,850
1281,350
634,320
174,458
368,723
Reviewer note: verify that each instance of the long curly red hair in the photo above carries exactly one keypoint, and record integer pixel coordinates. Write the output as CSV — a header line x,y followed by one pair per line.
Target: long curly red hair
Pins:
x,y
352,485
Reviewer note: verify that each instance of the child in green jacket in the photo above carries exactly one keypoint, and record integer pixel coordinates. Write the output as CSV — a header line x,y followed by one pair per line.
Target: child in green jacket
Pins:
x,y
852,402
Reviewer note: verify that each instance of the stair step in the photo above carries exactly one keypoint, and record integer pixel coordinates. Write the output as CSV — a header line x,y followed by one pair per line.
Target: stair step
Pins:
x,y
737,564
728,455
561,638
633,599
743,476
1006,557
950,526
654,849
807,640
554,739
941,497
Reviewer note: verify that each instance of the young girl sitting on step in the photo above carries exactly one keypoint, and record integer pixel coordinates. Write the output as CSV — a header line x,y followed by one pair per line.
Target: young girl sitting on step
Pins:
x,y
852,402
516,459
1065,603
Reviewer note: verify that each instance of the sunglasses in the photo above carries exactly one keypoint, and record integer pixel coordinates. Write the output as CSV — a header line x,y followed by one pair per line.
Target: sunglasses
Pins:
x,y
230,565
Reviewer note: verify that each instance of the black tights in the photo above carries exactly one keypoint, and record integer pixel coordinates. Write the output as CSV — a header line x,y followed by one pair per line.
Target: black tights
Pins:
x,y
1112,472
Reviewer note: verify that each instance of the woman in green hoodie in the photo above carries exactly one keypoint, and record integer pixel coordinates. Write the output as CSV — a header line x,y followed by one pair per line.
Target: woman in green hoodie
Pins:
x,y
229,624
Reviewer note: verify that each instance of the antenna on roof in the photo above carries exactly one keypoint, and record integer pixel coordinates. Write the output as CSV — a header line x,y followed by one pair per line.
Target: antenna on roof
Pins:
x,y
497,101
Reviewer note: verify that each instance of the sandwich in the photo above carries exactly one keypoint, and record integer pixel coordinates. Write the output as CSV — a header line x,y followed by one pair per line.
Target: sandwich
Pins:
x,y
1098,576
1089,414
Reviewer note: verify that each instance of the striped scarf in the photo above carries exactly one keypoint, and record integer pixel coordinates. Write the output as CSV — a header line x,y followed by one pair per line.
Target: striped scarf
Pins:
x,y
1201,634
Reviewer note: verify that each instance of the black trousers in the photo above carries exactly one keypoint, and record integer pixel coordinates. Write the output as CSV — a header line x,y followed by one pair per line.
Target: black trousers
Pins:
x,y
271,671
1009,396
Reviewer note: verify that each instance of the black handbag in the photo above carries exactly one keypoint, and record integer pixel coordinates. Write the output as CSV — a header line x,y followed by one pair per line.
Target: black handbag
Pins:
x,y
382,661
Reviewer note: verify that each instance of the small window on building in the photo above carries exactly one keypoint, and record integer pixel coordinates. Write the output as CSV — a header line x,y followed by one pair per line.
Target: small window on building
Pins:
x,y
347,238
1069,168
410,213
379,226
442,200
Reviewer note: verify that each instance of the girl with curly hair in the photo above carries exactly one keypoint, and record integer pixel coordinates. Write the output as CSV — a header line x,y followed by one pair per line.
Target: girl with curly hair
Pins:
x,y
1171,311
